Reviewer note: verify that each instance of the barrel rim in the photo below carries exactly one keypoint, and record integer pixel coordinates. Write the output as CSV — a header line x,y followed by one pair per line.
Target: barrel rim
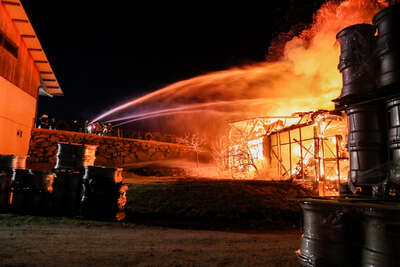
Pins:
x,y
363,108
384,12
392,102
366,27
73,144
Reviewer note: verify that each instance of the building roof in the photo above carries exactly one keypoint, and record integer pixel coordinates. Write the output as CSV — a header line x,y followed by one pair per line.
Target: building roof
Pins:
x,y
49,83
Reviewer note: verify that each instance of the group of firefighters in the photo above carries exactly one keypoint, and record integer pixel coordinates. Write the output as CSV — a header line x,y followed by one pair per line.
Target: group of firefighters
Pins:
x,y
98,128
88,127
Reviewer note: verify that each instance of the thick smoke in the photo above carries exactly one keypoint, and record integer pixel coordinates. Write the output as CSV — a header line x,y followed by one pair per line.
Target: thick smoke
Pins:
x,y
305,78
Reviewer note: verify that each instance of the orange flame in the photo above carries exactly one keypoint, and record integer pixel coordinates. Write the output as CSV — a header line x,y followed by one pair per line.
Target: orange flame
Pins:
x,y
305,78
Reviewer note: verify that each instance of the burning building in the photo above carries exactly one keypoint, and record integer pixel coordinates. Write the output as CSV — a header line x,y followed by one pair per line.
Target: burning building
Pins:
x,y
308,148
25,73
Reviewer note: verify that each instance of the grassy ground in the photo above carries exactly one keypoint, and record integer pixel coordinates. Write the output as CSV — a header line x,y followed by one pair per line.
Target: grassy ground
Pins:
x,y
165,223
45,241
215,204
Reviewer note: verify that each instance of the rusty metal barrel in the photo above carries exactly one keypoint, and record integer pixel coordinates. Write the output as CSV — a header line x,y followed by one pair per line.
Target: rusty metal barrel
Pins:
x,y
388,47
75,156
357,44
5,189
104,194
19,162
31,191
70,156
366,144
381,235
331,234
89,155
393,118
67,192
6,162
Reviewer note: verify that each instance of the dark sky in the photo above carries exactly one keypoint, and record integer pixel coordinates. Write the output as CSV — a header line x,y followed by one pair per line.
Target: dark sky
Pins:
x,y
107,52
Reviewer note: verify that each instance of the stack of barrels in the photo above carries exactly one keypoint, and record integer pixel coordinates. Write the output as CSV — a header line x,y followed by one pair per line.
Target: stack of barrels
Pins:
x,y
80,188
104,194
69,170
75,187
388,80
363,229
24,191
370,67
6,162
366,116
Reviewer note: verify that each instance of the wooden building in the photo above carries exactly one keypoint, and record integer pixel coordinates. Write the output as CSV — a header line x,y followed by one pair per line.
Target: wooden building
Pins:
x,y
25,73
308,148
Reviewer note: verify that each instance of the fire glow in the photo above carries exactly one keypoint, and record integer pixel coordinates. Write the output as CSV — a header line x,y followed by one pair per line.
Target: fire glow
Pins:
x,y
304,79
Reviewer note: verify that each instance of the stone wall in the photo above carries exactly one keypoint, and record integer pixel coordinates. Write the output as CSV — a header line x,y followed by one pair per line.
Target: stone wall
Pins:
x,y
111,151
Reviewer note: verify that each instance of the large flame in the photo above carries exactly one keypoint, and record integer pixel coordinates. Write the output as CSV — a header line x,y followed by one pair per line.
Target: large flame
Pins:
x,y
305,78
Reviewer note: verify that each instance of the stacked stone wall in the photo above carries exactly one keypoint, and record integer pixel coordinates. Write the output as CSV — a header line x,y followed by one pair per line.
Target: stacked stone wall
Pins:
x,y
111,151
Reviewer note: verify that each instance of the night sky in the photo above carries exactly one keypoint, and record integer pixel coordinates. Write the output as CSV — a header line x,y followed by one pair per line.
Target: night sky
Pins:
x,y
105,53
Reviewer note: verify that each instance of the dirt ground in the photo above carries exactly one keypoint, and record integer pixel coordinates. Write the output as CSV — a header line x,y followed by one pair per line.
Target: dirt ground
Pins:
x,y
39,241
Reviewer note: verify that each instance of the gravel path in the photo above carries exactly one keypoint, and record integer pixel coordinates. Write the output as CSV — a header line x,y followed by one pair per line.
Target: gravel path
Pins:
x,y
55,242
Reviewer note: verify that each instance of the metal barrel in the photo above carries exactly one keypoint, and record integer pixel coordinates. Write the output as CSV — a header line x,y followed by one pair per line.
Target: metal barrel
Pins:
x,y
19,162
366,144
75,156
105,202
6,162
89,155
388,47
357,44
381,235
70,156
103,175
393,118
104,194
5,189
31,191
67,192
33,180
331,235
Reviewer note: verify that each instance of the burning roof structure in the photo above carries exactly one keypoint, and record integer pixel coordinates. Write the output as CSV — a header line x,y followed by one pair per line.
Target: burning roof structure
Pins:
x,y
308,148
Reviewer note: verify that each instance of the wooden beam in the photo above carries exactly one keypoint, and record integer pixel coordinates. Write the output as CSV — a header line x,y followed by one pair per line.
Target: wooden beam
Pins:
x,y
20,20
28,36
11,3
46,72
41,61
49,80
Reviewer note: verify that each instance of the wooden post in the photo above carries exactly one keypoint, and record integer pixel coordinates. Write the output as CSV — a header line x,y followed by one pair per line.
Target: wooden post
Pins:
x,y
301,154
338,160
290,156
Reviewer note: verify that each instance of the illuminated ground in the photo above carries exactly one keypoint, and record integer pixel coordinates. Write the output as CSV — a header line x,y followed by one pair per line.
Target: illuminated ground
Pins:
x,y
170,222
213,204
39,241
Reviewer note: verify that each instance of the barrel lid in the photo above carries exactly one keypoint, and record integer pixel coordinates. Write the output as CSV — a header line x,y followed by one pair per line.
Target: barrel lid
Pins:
x,y
66,143
392,102
356,27
384,12
364,202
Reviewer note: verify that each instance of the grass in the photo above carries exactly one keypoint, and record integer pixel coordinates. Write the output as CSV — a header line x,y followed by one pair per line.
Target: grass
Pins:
x,y
198,203
216,203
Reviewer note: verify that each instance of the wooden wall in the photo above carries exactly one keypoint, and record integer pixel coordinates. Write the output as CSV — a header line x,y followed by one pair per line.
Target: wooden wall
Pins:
x,y
20,70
